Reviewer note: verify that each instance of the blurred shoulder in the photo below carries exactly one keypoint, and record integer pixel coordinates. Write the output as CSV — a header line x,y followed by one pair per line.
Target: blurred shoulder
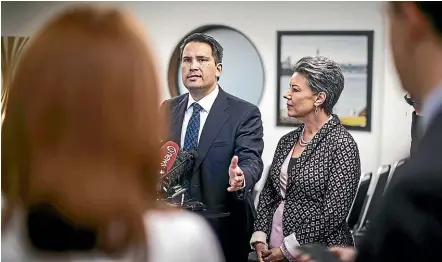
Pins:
x,y
180,235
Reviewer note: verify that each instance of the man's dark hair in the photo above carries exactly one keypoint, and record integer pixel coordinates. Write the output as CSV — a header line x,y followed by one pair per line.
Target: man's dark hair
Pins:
x,y
217,49
432,10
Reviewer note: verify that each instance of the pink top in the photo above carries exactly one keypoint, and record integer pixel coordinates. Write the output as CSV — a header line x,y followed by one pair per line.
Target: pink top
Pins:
x,y
277,236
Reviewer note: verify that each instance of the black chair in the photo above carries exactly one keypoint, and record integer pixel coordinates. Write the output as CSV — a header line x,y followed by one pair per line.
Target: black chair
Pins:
x,y
372,203
358,203
252,257
396,165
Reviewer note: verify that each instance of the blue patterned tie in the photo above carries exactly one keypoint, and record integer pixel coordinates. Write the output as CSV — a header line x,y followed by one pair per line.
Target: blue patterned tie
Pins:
x,y
193,128
191,140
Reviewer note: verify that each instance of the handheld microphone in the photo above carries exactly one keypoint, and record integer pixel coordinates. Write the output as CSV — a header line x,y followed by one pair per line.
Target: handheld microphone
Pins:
x,y
169,153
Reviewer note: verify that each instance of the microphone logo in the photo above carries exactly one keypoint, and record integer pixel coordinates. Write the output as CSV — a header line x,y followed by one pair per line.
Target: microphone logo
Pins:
x,y
171,150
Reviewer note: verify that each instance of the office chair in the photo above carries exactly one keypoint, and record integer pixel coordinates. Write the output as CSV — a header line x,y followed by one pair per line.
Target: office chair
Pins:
x,y
393,170
374,200
358,203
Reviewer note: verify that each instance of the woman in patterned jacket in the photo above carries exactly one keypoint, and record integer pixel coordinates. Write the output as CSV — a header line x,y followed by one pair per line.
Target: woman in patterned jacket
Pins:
x,y
315,171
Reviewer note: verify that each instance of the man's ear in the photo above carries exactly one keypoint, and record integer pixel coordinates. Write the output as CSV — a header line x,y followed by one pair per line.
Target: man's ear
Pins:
x,y
418,24
219,69
320,99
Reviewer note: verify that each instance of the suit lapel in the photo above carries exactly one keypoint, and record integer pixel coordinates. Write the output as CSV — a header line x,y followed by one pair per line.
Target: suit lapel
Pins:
x,y
310,149
177,120
217,117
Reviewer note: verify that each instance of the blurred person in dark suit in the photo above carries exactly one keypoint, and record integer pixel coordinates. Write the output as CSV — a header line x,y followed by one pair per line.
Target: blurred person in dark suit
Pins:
x,y
227,134
408,227
80,160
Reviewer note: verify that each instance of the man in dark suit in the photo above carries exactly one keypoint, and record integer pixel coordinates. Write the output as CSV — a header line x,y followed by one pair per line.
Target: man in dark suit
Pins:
x,y
408,227
227,134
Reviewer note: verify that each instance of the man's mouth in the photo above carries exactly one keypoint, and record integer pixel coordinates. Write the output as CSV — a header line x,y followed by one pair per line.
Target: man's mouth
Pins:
x,y
193,76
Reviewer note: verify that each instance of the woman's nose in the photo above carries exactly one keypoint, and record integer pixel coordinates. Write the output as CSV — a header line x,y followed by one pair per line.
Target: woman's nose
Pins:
x,y
287,95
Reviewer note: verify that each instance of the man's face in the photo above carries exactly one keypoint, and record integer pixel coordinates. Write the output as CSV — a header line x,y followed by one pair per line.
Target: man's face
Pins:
x,y
399,42
407,27
198,67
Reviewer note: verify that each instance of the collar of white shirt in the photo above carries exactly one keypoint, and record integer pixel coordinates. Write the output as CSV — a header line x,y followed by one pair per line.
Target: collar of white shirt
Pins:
x,y
431,106
206,102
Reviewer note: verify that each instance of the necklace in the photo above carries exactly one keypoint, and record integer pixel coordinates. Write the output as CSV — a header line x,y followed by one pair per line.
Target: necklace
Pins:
x,y
302,142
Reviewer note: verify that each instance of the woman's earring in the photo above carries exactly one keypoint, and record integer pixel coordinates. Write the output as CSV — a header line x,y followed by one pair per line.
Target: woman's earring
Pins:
x,y
316,111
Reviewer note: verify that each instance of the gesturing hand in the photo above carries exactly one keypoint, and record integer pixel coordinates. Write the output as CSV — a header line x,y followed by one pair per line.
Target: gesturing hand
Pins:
x,y
236,176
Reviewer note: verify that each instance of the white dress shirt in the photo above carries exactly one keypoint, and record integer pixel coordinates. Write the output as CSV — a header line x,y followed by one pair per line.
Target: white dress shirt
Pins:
x,y
431,107
206,103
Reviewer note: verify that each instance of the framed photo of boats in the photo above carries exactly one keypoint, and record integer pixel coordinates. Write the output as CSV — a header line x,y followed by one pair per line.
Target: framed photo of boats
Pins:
x,y
353,50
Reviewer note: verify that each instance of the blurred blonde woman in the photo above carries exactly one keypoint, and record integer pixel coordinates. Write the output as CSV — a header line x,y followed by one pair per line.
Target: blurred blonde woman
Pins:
x,y
80,150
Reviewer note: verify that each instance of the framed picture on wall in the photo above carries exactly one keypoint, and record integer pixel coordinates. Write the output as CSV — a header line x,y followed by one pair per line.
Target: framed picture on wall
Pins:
x,y
353,50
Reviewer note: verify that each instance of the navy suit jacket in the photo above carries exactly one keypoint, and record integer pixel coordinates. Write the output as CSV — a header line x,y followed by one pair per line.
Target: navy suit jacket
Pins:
x,y
233,127
408,226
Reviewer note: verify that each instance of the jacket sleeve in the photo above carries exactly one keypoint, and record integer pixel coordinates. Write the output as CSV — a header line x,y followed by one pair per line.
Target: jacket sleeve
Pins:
x,y
263,221
266,207
249,145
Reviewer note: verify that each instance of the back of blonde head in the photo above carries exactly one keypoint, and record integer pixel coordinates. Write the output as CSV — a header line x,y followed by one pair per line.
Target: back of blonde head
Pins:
x,y
82,123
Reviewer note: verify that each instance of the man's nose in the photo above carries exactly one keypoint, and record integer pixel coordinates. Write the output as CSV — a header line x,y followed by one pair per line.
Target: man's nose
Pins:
x,y
194,65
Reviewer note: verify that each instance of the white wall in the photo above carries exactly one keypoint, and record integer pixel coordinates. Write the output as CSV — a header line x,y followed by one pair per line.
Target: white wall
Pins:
x,y
168,22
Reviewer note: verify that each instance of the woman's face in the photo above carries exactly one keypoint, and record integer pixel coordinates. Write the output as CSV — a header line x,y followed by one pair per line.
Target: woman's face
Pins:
x,y
300,98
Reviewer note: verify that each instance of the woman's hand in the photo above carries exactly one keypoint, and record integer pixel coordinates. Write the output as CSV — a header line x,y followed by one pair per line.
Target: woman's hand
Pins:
x,y
273,255
260,249
345,254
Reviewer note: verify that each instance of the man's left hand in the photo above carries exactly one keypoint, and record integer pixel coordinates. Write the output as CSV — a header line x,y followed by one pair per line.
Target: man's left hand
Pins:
x,y
236,176
273,255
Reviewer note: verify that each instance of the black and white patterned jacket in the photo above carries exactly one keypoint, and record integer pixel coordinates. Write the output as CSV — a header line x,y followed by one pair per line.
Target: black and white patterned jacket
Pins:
x,y
320,188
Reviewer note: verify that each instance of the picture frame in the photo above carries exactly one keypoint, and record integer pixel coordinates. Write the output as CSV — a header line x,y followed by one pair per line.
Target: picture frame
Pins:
x,y
353,50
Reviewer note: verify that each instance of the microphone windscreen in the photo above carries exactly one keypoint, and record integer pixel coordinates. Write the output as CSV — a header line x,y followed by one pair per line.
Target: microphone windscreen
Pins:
x,y
194,154
182,169
169,152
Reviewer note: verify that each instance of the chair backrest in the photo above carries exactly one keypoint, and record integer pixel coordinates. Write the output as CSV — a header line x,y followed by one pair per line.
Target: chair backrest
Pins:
x,y
376,198
358,203
393,171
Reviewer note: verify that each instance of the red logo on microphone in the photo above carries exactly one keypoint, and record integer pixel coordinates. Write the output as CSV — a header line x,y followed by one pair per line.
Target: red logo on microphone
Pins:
x,y
170,151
